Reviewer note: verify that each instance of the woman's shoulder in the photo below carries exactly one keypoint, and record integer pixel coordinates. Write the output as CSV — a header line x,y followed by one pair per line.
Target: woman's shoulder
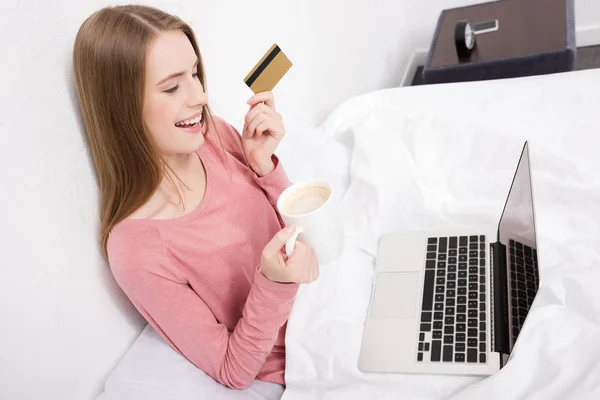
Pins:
x,y
137,252
130,244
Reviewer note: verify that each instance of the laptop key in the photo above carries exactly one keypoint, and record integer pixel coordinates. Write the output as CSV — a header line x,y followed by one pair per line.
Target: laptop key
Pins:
x,y
454,241
463,241
437,334
432,240
425,327
459,357
430,264
460,346
443,244
472,355
427,346
419,356
472,332
428,290
482,357
438,316
447,353
426,316
436,350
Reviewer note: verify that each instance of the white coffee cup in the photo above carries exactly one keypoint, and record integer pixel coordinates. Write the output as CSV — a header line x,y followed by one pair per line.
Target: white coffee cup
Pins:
x,y
309,206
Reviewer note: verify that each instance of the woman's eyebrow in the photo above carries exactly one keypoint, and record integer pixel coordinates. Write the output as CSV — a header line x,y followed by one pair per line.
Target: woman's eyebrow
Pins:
x,y
175,75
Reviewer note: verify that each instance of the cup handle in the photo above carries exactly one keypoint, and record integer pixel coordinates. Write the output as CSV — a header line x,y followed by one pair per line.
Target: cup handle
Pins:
x,y
291,242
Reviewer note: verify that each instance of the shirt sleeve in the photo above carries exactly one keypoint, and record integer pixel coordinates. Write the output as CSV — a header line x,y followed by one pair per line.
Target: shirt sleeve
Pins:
x,y
142,269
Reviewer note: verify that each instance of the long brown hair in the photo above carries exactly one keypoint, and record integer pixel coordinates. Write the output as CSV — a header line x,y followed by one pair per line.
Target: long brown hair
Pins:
x,y
109,56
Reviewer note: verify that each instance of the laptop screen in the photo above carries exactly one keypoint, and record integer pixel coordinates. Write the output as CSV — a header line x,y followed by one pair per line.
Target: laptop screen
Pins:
x,y
516,232
517,220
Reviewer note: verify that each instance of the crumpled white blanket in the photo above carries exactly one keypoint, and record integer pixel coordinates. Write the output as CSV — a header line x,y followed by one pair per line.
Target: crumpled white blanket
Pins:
x,y
443,156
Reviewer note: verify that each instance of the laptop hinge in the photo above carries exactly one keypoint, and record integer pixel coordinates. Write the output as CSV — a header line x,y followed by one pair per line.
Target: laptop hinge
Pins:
x,y
500,333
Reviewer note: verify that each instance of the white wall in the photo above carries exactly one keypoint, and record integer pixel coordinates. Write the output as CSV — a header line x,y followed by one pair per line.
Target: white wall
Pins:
x,y
587,20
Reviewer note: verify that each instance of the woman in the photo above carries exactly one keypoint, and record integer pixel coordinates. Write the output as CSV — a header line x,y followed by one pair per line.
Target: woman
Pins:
x,y
188,218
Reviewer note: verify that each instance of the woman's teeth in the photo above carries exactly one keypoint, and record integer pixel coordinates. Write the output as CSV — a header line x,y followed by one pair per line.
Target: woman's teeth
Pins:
x,y
189,122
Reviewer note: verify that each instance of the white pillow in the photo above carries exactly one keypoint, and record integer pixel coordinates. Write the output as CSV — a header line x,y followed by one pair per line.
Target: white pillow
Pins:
x,y
152,370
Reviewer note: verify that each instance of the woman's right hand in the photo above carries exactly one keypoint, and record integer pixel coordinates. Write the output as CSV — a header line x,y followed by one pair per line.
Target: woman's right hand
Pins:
x,y
301,267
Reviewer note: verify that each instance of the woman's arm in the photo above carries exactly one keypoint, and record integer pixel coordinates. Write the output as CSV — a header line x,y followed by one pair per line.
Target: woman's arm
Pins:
x,y
180,315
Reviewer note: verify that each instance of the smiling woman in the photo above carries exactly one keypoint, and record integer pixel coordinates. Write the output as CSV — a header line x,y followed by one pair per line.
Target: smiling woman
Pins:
x,y
207,271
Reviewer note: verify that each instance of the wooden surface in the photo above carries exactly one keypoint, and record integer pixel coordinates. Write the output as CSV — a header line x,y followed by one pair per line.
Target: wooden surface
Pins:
x,y
526,27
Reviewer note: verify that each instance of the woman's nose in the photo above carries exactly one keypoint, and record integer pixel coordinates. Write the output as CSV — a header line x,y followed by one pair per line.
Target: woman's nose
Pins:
x,y
196,96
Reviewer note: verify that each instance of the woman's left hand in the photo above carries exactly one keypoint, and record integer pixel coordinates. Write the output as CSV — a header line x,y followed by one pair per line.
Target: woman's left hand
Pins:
x,y
263,130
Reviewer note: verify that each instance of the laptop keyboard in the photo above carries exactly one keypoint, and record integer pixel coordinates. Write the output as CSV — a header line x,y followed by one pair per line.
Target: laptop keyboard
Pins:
x,y
524,281
453,327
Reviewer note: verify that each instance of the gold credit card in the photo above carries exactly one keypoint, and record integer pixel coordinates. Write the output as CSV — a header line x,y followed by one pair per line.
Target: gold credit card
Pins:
x,y
268,71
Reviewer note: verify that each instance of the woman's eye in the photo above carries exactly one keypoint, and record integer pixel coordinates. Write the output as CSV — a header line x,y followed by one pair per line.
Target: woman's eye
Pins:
x,y
195,74
172,90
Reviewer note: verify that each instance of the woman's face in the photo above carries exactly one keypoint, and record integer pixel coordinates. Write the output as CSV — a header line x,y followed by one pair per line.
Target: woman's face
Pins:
x,y
173,94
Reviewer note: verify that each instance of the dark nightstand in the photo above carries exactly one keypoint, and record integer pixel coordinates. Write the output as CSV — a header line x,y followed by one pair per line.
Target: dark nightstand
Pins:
x,y
534,37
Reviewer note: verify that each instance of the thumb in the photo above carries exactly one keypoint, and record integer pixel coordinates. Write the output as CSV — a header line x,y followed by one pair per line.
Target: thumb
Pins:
x,y
278,241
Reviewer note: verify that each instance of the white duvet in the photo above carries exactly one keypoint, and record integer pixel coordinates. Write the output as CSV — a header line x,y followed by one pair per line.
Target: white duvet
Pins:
x,y
443,156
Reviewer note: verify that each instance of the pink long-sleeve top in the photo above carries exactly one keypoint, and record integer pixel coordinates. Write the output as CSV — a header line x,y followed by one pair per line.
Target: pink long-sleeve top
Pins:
x,y
195,278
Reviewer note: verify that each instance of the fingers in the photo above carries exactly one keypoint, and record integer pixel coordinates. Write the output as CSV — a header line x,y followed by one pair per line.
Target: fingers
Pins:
x,y
266,97
257,115
274,246
304,261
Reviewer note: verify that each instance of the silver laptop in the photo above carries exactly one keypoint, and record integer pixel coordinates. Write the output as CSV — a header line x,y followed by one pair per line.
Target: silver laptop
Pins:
x,y
454,302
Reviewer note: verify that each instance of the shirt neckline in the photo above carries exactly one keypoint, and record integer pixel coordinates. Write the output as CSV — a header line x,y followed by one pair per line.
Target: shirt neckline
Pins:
x,y
203,157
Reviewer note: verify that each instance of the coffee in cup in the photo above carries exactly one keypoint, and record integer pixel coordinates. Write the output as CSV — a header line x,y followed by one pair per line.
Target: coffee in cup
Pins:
x,y
305,200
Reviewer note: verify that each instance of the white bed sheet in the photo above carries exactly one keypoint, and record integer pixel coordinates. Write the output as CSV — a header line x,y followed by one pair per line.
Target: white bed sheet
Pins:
x,y
444,156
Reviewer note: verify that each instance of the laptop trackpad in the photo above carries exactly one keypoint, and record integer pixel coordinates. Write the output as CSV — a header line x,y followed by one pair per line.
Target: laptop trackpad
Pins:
x,y
395,295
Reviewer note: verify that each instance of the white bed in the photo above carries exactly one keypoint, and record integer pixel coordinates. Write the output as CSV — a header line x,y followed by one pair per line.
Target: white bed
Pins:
x,y
435,157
